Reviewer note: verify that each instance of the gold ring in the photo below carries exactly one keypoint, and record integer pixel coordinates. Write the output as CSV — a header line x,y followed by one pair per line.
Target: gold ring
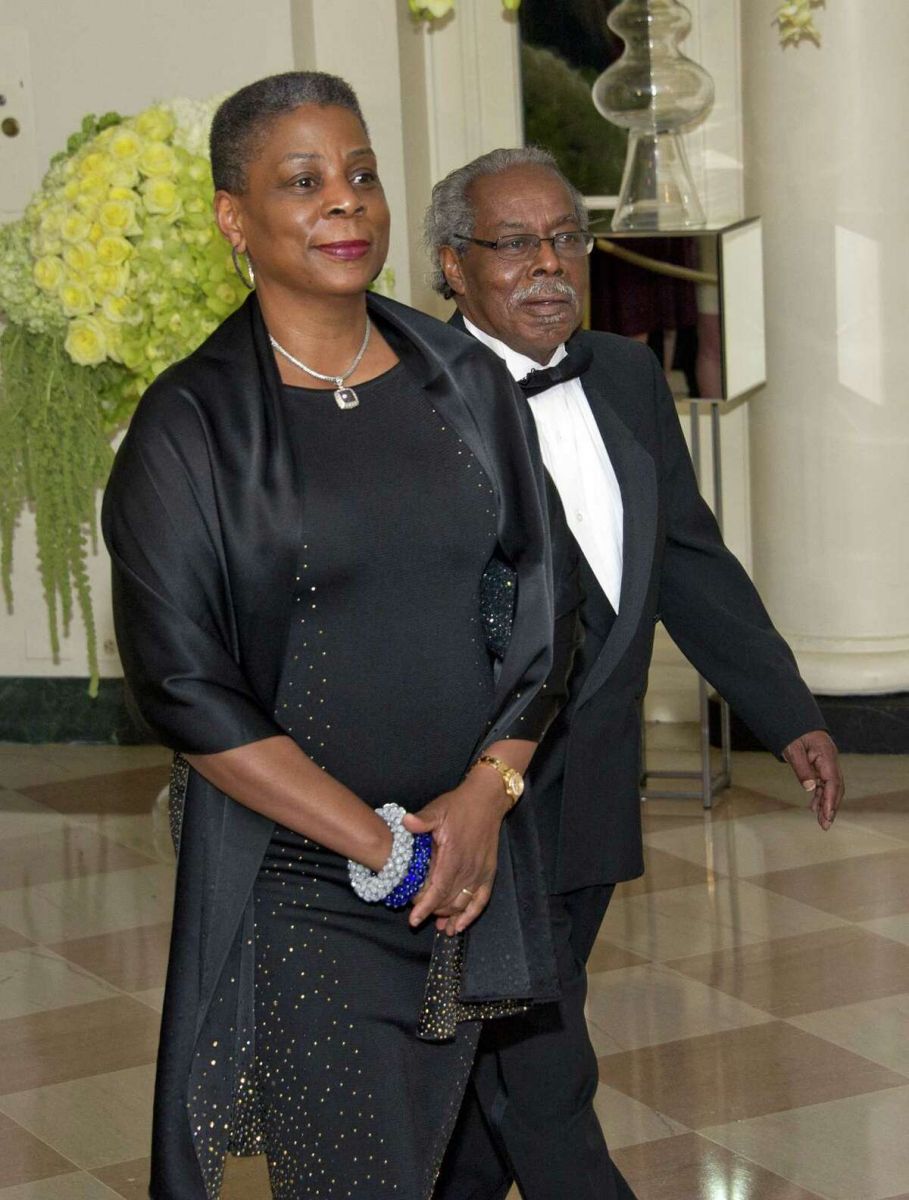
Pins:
x,y
468,892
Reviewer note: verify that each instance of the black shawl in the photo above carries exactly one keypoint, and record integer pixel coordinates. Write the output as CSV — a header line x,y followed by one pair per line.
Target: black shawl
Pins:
x,y
202,517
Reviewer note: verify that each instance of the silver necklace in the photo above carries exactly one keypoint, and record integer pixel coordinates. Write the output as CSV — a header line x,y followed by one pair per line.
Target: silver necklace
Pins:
x,y
345,397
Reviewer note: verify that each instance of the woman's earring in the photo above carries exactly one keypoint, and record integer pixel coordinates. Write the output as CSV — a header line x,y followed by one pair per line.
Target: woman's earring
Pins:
x,y
247,283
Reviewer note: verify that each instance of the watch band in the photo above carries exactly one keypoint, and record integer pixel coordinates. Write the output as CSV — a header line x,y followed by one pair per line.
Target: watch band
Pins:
x,y
512,779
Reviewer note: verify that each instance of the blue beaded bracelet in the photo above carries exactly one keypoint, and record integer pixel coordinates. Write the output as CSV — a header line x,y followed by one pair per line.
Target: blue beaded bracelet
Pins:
x,y
416,873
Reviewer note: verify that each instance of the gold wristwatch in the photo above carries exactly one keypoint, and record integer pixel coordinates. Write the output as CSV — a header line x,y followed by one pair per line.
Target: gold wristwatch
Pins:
x,y
512,778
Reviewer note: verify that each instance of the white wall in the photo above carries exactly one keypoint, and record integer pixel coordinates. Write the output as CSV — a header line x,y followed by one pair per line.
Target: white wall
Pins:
x,y
93,57
434,96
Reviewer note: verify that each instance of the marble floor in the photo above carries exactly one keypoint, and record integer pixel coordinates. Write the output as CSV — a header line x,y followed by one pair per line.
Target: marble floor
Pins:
x,y
749,997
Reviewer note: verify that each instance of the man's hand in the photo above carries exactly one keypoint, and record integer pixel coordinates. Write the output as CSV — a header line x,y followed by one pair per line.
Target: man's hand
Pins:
x,y
464,824
813,757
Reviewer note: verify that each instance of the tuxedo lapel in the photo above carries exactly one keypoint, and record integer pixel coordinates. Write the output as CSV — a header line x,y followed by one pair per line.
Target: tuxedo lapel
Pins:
x,y
636,474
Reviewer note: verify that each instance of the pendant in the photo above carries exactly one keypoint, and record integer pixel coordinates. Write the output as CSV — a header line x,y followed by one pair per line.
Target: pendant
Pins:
x,y
346,398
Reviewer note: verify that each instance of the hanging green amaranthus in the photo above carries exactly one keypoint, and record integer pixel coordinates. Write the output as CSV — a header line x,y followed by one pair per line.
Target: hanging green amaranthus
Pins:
x,y
54,455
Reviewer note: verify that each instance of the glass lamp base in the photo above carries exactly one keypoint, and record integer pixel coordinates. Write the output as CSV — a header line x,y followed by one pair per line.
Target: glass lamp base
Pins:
x,y
657,189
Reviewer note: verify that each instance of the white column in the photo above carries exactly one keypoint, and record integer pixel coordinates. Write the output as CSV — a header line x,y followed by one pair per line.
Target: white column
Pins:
x,y
461,97
826,165
435,95
359,42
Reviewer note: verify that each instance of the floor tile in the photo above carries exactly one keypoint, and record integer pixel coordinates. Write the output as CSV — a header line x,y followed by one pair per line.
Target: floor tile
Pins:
x,y
689,1167
64,1187
61,853
24,1158
742,1073
817,1146
10,940
769,842
636,925
754,912
661,871
26,766
626,1122
245,1179
802,974
153,997
606,957
871,774
66,1043
603,1043
865,775
20,815
642,1006
131,791
729,805
33,980
146,832
764,774
128,1179
861,888
81,759
876,1029
675,977
95,1121
130,959
896,928
697,919
886,813
90,904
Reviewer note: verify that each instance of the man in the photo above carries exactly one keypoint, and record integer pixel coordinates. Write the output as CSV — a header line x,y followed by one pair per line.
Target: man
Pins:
x,y
509,242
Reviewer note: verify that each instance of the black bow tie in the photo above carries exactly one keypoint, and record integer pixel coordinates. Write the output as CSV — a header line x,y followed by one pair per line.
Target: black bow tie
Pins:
x,y
575,363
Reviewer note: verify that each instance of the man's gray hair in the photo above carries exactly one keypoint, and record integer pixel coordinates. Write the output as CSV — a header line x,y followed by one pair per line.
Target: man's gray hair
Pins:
x,y
451,213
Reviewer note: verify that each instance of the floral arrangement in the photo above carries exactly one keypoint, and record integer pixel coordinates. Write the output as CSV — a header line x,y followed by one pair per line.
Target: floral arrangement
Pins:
x,y
115,271
435,10
795,21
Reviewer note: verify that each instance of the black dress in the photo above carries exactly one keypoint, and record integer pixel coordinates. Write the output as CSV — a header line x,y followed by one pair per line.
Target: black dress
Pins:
x,y
202,516
388,685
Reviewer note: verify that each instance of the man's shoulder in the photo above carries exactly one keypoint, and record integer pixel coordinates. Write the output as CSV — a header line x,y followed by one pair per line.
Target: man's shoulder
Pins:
x,y
611,350
448,342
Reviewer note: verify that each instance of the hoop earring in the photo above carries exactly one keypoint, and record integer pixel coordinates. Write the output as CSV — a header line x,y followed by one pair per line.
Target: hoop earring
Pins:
x,y
250,283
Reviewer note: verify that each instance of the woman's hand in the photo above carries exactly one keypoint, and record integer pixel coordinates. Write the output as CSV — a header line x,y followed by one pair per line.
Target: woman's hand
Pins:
x,y
464,824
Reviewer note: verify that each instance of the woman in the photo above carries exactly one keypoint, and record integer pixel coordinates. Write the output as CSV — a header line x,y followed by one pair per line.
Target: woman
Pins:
x,y
301,520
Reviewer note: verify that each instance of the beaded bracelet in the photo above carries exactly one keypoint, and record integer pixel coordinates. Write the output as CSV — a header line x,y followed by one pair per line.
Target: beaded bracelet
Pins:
x,y
373,886
416,872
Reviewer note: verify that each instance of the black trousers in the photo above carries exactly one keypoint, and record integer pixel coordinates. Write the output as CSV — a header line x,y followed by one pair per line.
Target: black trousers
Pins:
x,y
528,1114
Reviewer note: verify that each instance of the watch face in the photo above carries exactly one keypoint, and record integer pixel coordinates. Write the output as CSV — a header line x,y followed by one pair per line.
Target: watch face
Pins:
x,y
515,785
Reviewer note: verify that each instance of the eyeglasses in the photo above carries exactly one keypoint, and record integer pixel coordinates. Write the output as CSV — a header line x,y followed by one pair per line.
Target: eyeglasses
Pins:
x,y
573,244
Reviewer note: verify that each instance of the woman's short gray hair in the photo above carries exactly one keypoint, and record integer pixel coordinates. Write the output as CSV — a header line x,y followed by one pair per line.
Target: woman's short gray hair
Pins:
x,y
451,213
243,118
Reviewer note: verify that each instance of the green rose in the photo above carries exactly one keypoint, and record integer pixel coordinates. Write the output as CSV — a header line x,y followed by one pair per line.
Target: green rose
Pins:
x,y
86,343
48,273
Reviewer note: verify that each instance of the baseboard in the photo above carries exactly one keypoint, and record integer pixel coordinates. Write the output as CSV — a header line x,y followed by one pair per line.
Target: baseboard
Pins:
x,y
858,724
59,709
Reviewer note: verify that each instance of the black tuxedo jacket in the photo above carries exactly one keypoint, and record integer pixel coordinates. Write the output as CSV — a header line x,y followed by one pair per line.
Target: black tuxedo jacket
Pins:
x,y
585,776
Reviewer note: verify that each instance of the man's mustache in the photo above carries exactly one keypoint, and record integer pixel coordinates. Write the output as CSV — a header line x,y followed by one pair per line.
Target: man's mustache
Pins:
x,y
545,289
